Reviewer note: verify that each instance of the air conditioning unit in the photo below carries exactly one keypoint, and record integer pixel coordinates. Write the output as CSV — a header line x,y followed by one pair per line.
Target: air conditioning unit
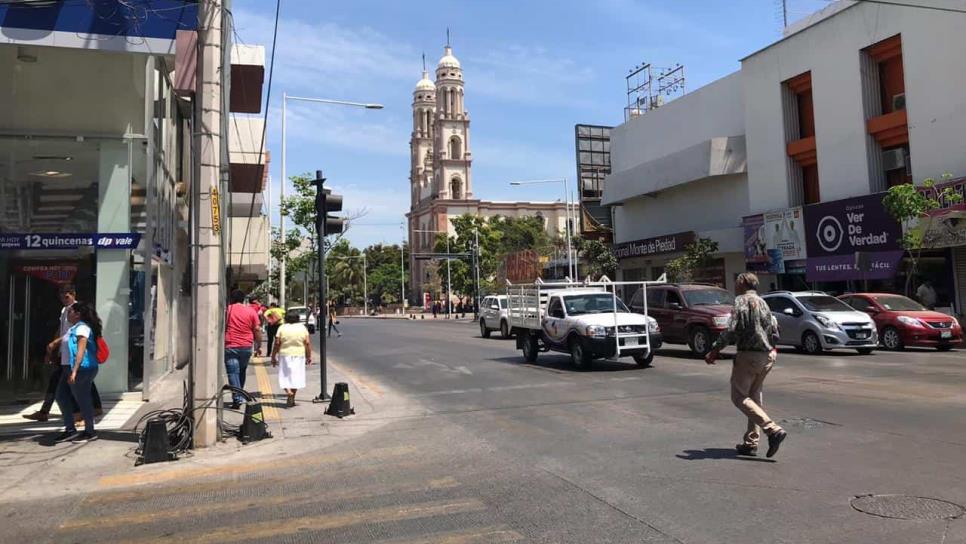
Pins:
x,y
894,159
899,102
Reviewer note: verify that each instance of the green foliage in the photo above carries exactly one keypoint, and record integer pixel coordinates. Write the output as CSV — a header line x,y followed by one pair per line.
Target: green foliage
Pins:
x,y
697,255
599,258
912,208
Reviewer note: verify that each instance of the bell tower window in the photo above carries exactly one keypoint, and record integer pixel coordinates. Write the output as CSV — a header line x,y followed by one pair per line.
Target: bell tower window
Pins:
x,y
456,189
455,148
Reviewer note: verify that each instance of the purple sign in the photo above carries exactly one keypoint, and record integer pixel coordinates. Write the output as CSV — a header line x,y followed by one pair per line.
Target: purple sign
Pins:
x,y
851,239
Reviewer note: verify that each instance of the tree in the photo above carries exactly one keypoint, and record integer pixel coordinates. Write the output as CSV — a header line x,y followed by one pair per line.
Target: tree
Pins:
x,y
697,255
912,207
599,258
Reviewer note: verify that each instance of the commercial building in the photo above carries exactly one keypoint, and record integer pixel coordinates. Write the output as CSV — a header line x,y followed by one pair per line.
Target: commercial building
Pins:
x,y
97,162
852,100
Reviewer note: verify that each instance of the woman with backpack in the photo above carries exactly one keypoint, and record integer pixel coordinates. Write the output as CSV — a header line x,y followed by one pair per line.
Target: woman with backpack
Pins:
x,y
79,357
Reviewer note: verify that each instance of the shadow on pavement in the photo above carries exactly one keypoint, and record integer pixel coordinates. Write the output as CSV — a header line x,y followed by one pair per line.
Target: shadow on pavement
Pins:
x,y
561,364
717,453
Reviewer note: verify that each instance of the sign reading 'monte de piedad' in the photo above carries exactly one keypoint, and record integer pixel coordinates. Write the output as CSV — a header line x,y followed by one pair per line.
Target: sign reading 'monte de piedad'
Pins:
x,y
670,243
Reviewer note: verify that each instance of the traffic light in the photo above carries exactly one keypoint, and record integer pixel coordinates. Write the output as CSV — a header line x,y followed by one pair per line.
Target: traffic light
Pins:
x,y
326,201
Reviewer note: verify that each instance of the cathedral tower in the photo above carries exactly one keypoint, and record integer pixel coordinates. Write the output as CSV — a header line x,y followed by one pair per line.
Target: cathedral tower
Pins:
x,y
421,176
451,138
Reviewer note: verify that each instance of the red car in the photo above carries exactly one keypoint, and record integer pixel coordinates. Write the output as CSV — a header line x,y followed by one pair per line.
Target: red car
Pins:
x,y
904,322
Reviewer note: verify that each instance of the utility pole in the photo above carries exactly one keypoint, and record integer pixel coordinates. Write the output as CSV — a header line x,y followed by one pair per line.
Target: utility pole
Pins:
x,y
208,257
402,277
476,266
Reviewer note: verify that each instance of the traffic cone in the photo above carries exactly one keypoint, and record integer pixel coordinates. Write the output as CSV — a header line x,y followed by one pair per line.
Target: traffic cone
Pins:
x,y
155,447
340,406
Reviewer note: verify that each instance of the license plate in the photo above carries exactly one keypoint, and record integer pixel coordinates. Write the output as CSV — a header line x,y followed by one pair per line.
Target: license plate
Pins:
x,y
631,341
946,334
862,335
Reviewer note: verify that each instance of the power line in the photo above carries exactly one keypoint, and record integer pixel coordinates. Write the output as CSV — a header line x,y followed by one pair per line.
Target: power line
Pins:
x,y
268,98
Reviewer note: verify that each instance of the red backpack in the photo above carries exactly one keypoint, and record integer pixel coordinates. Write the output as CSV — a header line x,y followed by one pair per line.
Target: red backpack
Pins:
x,y
103,352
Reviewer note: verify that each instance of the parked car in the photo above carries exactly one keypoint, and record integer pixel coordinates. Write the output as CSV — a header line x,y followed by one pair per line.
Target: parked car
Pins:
x,y
493,316
688,313
902,321
306,317
814,321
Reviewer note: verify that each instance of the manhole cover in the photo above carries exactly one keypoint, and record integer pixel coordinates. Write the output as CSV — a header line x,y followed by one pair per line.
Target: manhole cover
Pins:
x,y
906,507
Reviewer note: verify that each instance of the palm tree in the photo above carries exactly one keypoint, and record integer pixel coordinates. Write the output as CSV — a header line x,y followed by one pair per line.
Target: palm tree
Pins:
x,y
347,273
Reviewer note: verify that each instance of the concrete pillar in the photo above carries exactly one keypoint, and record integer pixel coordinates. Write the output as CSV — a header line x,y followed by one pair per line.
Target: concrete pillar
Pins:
x,y
113,265
209,301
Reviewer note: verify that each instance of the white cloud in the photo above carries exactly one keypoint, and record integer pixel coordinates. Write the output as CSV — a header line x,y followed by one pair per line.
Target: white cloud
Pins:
x,y
529,74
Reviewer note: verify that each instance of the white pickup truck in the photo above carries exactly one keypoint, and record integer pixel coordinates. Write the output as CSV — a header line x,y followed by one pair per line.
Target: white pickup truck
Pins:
x,y
586,320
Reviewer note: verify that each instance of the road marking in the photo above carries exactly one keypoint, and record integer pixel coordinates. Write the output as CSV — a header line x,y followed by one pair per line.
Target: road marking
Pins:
x,y
306,460
274,528
489,535
265,388
234,505
357,378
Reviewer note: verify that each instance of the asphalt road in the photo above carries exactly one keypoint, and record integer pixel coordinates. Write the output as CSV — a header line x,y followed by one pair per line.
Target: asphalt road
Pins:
x,y
488,449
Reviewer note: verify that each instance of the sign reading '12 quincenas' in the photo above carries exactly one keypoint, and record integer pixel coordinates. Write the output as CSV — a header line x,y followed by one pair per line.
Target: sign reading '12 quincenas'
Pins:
x,y
851,239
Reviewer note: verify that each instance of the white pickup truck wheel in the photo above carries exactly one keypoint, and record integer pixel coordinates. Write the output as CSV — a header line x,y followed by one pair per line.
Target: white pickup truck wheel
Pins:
x,y
484,332
644,360
530,348
579,356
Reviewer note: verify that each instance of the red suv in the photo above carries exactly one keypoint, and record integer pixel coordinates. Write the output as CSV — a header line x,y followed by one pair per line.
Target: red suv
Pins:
x,y
904,322
688,313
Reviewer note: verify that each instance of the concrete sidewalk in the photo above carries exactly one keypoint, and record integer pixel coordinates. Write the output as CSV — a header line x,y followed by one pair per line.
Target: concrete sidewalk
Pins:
x,y
31,466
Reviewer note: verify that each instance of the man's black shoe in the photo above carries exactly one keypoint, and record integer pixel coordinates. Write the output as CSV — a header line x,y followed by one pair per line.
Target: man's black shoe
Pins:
x,y
774,441
745,449
65,436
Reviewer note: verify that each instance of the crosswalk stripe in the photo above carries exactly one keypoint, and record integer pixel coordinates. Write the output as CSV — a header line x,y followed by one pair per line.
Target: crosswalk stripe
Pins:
x,y
280,527
307,460
486,535
230,505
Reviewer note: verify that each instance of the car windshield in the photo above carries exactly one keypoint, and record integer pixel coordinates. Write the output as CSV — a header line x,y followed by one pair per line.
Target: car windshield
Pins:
x,y
899,303
708,297
824,303
592,303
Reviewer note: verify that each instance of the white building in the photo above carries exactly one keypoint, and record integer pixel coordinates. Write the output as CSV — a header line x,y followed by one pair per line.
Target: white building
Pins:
x,y
851,100
441,175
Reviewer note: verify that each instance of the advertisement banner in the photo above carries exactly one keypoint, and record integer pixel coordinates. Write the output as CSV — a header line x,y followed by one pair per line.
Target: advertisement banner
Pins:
x,y
59,273
47,240
775,241
851,239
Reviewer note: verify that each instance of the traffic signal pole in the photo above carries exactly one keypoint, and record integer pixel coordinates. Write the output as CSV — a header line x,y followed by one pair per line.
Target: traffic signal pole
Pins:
x,y
325,202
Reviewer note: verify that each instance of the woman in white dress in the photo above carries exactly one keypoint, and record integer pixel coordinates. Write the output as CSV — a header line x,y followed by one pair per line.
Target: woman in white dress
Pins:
x,y
293,350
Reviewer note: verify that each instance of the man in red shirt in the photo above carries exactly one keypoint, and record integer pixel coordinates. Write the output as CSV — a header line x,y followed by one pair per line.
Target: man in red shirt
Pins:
x,y
242,330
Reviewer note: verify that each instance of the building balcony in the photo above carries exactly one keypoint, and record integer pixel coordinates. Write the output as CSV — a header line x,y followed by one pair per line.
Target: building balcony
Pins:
x,y
242,204
247,78
248,258
246,154
890,129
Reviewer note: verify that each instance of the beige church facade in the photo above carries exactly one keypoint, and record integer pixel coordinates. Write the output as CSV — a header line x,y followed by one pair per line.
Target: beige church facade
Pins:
x,y
441,174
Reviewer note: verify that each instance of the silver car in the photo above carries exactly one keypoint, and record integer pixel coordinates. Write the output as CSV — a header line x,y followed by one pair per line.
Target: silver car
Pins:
x,y
493,312
814,321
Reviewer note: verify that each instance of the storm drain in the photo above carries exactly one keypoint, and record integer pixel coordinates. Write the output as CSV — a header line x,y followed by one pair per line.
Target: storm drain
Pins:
x,y
906,507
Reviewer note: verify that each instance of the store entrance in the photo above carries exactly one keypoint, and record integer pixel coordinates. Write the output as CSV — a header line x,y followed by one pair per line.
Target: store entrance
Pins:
x,y
29,319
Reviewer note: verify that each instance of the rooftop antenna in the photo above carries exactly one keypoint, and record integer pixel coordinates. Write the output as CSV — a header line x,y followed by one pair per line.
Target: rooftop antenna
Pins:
x,y
447,37
424,62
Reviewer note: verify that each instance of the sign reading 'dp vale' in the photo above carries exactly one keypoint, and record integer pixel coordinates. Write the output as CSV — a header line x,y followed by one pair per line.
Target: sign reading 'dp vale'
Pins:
x,y
47,240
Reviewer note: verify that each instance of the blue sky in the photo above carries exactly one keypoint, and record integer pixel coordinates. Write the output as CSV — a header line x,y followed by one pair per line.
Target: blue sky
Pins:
x,y
532,70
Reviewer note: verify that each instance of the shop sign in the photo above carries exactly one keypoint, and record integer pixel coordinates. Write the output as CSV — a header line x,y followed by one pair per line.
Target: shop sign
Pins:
x,y
59,273
671,243
775,241
851,239
100,240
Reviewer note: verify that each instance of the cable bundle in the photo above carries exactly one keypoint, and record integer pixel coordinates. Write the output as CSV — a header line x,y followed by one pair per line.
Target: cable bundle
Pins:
x,y
178,424
230,428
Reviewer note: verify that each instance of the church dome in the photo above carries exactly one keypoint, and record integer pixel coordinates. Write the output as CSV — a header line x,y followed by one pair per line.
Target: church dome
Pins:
x,y
425,84
448,60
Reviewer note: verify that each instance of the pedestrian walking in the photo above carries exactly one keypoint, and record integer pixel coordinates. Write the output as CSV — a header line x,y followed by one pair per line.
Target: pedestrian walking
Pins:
x,y
256,304
926,295
333,318
435,309
754,330
68,296
274,317
78,350
293,351
242,330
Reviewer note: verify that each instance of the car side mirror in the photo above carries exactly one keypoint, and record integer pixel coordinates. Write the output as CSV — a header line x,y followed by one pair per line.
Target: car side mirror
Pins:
x,y
789,311
494,307
674,306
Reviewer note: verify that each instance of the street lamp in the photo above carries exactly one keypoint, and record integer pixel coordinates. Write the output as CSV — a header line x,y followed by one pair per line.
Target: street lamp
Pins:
x,y
571,266
365,279
281,216
449,278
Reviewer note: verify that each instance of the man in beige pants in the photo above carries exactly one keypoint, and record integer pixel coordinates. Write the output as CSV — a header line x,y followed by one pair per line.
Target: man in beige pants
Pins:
x,y
755,332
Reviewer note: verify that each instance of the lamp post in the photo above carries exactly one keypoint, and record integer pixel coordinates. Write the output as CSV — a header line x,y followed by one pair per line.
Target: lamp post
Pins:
x,y
571,266
449,278
281,198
